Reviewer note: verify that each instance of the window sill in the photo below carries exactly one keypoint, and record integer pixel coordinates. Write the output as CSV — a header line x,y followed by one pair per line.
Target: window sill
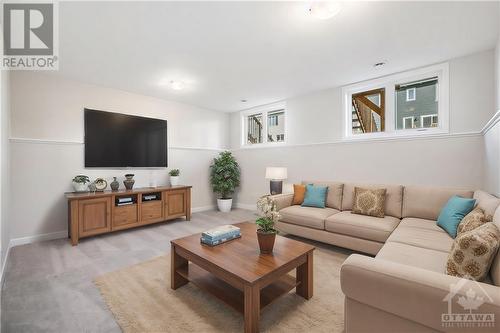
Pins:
x,y
398,134
263,145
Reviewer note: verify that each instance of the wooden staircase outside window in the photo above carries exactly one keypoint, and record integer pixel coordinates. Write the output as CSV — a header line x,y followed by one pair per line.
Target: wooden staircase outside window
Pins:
x,y
368,117
254,130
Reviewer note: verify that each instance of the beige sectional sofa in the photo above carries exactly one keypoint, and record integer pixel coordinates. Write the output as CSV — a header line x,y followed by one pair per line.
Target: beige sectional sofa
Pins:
x,y
403,288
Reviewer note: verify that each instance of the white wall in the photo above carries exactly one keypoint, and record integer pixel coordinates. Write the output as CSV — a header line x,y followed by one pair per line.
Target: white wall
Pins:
x,y
47,145
4,165
491,178
492,137
497,73
456,160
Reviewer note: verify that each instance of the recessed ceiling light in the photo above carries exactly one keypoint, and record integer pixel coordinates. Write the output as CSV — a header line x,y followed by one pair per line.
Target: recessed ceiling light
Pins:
x,y
243,100
379,64
323,10
177,85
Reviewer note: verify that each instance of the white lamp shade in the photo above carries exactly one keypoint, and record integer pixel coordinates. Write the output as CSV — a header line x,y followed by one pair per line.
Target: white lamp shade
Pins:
x,y
276,173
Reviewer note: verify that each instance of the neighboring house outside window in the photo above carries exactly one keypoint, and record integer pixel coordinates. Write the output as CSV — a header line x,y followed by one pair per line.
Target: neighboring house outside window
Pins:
x,y
425,104
257,131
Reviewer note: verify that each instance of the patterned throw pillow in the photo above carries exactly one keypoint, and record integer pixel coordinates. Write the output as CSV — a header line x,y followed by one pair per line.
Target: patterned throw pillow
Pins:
x,y
369,202
473,251
299,191
471,221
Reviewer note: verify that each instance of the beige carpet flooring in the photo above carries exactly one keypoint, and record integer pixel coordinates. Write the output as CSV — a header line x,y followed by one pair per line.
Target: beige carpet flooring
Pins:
x,y
141,300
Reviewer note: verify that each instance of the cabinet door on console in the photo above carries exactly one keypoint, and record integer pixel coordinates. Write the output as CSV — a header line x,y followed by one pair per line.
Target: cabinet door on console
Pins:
x,y
175,203
94,216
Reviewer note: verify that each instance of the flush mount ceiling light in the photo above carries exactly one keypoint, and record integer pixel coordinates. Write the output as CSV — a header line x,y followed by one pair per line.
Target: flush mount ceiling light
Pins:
x,y
177,85
323,10
379,64
243,100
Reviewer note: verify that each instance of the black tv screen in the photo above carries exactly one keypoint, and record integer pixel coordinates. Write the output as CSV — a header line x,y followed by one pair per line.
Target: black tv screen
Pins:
x,y
119,140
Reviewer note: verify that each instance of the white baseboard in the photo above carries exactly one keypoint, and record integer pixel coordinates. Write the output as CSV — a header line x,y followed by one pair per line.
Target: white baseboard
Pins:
x,y
38,238
246,206
64,234
4,264
203,209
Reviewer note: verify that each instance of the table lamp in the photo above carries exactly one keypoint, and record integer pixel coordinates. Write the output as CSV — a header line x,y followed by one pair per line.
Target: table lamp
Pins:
x,y
276,175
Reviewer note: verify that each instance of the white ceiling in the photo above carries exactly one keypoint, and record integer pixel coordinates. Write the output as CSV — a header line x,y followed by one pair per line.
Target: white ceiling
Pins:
x,y
260,51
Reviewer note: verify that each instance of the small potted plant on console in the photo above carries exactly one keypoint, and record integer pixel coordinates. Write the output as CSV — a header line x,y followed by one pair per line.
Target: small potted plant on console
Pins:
x,y
174,177
266,233
80,183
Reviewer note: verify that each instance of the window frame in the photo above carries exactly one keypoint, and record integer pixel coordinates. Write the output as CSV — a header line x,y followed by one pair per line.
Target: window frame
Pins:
x,y
412,122
408,99
428,116
389,82
264,110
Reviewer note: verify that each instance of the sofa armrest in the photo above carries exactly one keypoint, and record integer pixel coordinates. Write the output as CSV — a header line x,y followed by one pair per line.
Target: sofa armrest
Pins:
x,y
412,293
282,200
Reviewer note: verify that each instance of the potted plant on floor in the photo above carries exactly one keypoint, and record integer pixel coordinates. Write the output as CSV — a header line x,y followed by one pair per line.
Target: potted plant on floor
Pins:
x,y
225,178
80,183
266,233
174,177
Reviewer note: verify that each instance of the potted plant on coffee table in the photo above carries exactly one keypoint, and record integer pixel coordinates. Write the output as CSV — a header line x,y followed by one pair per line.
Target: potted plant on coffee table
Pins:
x,y
225,178
266,233
174,177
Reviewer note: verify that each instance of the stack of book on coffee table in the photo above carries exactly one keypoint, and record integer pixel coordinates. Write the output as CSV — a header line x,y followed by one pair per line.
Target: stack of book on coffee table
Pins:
x,y
220,235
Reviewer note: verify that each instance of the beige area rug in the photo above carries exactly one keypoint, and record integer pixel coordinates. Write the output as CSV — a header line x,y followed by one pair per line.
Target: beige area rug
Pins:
x,y
141,300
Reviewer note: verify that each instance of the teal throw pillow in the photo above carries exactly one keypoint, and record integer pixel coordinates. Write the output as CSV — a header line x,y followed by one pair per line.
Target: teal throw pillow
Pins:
x,y
453,212
315,196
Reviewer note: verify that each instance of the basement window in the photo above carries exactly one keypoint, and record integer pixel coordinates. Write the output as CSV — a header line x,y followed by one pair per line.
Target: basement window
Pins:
x,y
389,106
264,125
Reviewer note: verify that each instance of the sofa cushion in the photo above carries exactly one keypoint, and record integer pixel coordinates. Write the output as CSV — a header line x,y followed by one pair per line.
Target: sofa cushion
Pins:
x,y
405,254
472,252
306,216
334,194
422,237
453,213
486,202
393,198
426,202
362,226
412,222
369,202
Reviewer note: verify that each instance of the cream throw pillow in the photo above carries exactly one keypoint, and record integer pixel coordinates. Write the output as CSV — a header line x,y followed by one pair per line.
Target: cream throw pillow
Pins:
x,y
472,220
473,251
369,202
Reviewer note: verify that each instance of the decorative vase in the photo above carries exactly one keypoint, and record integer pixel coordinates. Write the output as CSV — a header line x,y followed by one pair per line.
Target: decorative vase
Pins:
x,y
92,187
115,185
129,181
80,187
266,241
174,180
224,205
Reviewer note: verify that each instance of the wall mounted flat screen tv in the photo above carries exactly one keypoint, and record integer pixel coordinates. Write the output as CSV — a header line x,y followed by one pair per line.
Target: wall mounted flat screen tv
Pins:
x,y
115,140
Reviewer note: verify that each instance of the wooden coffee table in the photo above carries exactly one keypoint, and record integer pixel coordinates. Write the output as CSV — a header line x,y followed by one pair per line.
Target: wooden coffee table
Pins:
x,y
236,272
